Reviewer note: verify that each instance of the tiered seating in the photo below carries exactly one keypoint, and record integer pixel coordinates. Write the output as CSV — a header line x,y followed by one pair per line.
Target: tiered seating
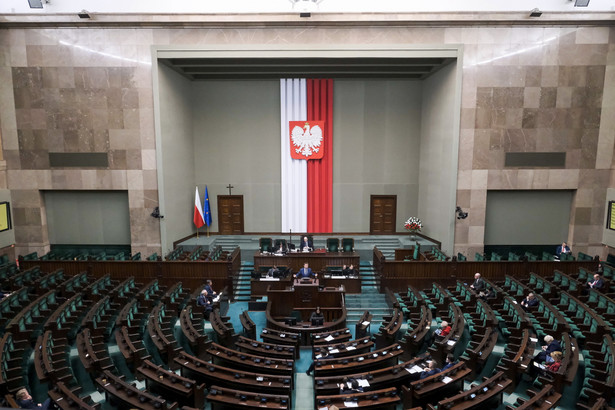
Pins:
x,y
223,328
51,360
14,363
11,305
488,394
434,387
28,323
444,346
49,281
171,386
377,378
566,282
124,395
363,324
331,337
65,398
266,349
568,369
418,327
249,328
191,323
93,352
214,374
547,398
160,328
484,335
280,337
517,356
351,348
389,329
65,320
246,400
374,399
584,322
599,361
360,363
239,360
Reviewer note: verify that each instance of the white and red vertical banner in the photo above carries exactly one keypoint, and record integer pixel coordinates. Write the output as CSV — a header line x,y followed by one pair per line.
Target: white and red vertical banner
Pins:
x,y
307,154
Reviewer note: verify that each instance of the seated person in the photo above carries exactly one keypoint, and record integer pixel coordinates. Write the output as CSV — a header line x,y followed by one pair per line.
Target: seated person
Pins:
x,y
478,283
529,301
273,272
597,283
556,358
350,385
305,272
551,346
486,293
317,316
25,401
206,302
323,355
450,362
563,248
444,330
348,271
281,249
306,245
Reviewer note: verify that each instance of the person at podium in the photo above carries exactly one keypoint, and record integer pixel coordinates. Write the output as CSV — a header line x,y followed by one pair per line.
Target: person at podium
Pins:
x,y
317,318
306,245
348,270
305,272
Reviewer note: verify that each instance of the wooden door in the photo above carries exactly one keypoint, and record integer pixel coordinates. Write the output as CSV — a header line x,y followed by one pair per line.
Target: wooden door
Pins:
x,y
382,212
230,214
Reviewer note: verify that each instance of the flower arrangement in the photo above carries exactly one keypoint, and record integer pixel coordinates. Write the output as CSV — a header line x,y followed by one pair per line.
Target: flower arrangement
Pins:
x,y
413,224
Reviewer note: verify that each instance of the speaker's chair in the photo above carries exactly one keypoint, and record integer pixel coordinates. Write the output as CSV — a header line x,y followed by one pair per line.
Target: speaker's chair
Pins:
x,y
347,244
265,244
333,245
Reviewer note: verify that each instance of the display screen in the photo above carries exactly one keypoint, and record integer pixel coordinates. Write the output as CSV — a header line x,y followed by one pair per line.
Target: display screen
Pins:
x,y
5,216
610,219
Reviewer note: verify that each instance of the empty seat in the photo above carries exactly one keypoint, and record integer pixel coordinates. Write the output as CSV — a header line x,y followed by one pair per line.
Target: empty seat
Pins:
x,y
333,245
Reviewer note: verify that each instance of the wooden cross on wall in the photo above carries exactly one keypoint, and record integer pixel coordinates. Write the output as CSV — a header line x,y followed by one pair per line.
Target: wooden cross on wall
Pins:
x,y
229,188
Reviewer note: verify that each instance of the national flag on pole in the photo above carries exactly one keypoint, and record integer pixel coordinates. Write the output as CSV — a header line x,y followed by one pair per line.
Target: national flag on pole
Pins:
x,y
198,219
207,208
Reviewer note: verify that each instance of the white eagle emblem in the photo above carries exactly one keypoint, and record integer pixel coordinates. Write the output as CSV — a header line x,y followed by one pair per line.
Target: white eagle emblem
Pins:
x,y
307,140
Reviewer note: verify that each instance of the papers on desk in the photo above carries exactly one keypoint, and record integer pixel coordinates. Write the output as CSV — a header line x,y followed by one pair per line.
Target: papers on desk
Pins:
x,y
329,338
534,339
539,365
351,404
366,323
282,334
217,298
323,408
338,277
447,380
259,379
351,348
333,351
363,383
414,369
451,342
270,279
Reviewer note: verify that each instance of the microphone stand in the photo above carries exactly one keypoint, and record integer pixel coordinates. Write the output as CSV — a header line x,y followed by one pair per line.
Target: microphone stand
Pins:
x,y
290,238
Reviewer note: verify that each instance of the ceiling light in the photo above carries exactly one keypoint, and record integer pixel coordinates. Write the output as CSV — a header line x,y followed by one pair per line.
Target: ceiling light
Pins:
x,y
35,4
581,3
84,14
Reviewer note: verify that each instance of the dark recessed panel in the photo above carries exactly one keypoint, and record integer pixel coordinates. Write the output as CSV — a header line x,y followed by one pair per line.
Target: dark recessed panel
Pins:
x,y
535,159
78,159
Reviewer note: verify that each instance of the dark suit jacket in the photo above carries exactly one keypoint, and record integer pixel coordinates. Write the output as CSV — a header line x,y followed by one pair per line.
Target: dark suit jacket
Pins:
x,y
448,366
530,302
303,274
429,373
303,245
479,284
559,250
554,346
598,285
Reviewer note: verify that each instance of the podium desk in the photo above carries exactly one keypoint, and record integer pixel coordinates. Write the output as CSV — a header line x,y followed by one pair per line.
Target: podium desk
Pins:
x,y
317,260
351,284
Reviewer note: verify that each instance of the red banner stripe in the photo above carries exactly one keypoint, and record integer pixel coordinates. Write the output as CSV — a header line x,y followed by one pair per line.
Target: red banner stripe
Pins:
x,y
320,172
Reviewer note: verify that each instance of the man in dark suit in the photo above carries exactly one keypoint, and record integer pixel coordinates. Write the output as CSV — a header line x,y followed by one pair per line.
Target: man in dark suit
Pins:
x,y
25,401
478,284
305,272
551,346
348,270
206,302
563,248
450,362
430,370
209,289
306,245
597,283
529,301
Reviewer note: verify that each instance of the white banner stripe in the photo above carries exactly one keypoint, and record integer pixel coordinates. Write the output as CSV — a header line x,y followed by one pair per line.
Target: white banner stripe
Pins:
x,y
293,104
